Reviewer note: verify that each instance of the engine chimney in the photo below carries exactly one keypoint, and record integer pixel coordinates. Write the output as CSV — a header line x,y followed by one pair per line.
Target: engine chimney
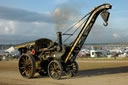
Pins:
x,y
59,38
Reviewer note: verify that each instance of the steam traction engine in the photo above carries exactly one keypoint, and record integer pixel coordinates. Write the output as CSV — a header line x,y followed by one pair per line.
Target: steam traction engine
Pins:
x,y
44,56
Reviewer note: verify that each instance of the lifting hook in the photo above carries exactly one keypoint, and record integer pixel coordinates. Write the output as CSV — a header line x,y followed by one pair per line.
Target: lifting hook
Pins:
x,y
105,24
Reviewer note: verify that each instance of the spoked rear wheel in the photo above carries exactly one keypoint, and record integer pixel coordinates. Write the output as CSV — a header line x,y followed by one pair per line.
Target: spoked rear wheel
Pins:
x,y
73,66
55,69
27,65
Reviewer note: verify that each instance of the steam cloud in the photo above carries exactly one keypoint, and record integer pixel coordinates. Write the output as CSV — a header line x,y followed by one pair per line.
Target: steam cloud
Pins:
x,y
64,15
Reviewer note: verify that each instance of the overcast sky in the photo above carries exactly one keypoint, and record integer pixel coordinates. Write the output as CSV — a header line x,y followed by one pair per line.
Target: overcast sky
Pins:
x,y
33,19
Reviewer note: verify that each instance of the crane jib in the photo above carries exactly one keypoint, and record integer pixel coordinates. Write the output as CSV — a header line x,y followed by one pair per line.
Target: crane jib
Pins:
x,y
87,26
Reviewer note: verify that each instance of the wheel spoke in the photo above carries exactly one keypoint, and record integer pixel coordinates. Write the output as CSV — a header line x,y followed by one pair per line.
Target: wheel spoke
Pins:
x,y
24,60
22,67
29,70
54,64
29,62
24,72
57,67
56,75
29,66
52,69
52,72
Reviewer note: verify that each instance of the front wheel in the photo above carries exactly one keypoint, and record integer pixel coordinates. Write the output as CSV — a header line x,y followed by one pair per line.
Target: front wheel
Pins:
x,y
55,69
73,69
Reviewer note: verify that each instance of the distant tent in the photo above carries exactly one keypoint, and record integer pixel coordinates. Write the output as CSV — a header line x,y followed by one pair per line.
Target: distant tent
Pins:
x,y
11,49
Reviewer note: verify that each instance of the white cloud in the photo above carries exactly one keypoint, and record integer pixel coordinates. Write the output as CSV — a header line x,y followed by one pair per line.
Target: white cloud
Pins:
x,y
116,36
36,23
7,27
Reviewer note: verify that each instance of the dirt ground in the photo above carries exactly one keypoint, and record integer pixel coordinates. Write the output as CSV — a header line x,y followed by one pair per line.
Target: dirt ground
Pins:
x,y
90,73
